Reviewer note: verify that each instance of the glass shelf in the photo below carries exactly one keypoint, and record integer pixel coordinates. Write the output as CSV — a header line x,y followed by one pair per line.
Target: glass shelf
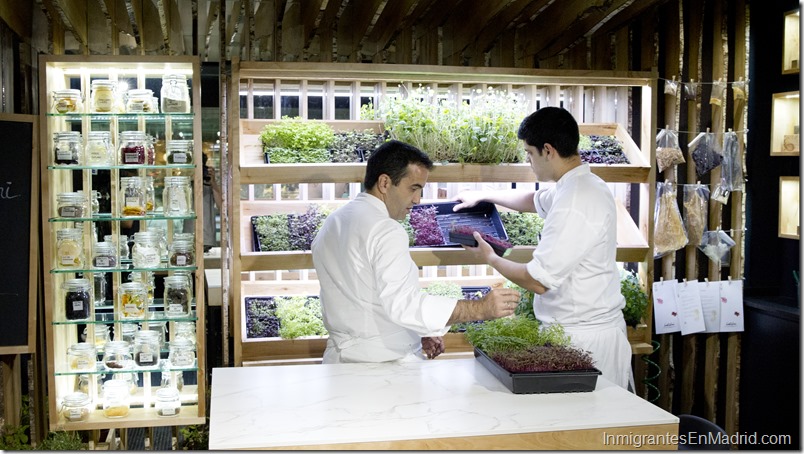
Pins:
x,y
163,366
122,167
126,269
101,217
123,117
107,318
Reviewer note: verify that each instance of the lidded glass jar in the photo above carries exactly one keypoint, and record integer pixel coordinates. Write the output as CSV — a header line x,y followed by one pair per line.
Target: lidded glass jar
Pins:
x,y
104,95
76,407
150,194
180,152
67,147
127,332
115,398
69,248
132,147
182,353
67,101
101,333
81,357
99,289
104,255
177,196
122,245
168,402
133,192
160,328
181,253
117,355
146,252
94,202
184,330
76,299
139,101
99,150
133,300
177,296
175,94
146,348
71,205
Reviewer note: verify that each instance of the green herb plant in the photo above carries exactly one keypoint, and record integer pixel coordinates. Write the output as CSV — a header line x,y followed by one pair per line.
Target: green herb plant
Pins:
x,y
299,316
293,140
636,300
272,231
523,229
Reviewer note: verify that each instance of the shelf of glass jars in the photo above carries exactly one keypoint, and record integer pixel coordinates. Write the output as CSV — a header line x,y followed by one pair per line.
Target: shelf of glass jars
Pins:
x,y
163,365
136,417
121,167
108,318
122,117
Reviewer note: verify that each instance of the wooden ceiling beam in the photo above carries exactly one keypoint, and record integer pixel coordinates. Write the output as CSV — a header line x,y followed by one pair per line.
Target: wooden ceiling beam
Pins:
x,y
396,16
628,15
505,20
463,27
265,22
73,15
437,13
170,24
18,16
233,27
312,12
355,20
209,28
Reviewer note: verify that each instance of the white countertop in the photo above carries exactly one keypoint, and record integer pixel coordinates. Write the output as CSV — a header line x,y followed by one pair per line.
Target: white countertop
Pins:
x,y
283,406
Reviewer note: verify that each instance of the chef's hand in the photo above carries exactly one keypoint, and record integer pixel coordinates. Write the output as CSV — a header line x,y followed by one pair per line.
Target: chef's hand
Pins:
x,y
499,302
432,346
483,251
467,199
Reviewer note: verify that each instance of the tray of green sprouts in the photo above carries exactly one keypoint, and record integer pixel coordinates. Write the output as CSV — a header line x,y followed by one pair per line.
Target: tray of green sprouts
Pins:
x,y
530,359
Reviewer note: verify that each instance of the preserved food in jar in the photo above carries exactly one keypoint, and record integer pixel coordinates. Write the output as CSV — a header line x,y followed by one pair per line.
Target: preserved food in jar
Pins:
x,y
122,245
175,94
101,333
117,355
67,147
146,252
81,357
99,280
181,253
160,328
99,150
133,147
150,194
168,402
69,248
71,204
146,348
133,300
177,296
67,101
182,353
76,407
140,101
115,398
127,332
184,330
104,95
180,152
104,255
133,189
177,196
76,299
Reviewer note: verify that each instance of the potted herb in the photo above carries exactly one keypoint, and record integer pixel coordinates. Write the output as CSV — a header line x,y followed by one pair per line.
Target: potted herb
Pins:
x,y
355,146
299,316
523,229
293,140
636,300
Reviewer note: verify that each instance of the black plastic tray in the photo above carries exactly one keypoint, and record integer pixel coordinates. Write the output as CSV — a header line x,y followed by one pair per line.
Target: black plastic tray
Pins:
x,y
483,217
578,381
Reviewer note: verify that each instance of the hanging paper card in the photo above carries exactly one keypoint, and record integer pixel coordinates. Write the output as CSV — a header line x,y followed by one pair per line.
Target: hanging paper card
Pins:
x,y
710,304
665,310
689,308
732,315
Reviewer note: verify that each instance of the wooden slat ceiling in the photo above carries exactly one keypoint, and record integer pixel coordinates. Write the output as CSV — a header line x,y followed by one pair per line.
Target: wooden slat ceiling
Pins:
x,y
453,32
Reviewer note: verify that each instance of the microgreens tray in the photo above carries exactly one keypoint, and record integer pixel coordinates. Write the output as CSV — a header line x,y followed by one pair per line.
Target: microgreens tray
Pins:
x,y
482,217
575,381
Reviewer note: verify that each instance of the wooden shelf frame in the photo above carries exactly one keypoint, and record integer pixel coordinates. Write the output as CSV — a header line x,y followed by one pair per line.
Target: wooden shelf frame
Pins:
x,y
246,166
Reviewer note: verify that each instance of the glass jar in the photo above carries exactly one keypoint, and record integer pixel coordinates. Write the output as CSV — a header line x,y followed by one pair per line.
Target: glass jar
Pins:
x,y
99,293
139,101
101,336
115,398
71,205
117,355
99,150
160,328
132,148
177,296
146,252
76,407
179,152
131,380
67,147
177,196
182,353
128,331
133,300
133,191
122,245
150,195
175,94
184,330
76,299
104,94
147,279
181,253
104,255
146,348
67,101
188,236
168,402
81,357
94,203
69,248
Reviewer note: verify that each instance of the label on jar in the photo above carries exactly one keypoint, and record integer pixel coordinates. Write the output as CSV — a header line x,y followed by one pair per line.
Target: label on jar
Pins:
x,y
145,358
103,100
179,158
64,155
68,260
81,363
78,305
167,411
174,105
102,262
181,260
131,158
176,308
70,211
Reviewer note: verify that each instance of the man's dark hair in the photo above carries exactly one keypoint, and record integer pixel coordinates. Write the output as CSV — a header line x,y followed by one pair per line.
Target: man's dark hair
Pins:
x,y
552,125
392,158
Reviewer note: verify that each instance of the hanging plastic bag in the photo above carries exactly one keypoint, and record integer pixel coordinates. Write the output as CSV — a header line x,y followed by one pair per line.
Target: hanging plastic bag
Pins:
x,y
669,234
668,151
696,211
740,98
732,172
706,152
671,87
716,245
720,194
691,91
718,92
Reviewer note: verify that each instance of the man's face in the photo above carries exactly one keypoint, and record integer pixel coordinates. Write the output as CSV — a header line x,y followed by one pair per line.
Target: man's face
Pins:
x,y
538,162
400,199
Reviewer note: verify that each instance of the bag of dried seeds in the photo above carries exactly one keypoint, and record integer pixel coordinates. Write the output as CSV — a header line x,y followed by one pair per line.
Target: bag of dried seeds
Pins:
x,y
691,91
716,245
706,152
668,151
671,87
718,92
669,234
696,211
732,171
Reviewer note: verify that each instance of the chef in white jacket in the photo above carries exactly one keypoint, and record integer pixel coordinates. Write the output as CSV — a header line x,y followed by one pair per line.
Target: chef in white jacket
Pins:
x,y
573,270
373,306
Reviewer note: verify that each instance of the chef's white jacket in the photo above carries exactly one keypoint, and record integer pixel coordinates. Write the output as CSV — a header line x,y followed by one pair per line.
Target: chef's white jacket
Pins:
x,y
372,303
576,261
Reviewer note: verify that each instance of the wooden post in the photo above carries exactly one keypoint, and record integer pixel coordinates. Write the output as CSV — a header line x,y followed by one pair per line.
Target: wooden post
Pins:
x,y
12,388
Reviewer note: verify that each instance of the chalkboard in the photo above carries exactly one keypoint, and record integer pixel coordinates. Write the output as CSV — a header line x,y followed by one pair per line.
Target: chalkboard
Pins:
x,y
19,233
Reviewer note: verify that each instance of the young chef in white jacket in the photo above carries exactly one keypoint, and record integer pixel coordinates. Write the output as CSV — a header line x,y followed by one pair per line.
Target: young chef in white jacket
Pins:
x,y
374,308
573,269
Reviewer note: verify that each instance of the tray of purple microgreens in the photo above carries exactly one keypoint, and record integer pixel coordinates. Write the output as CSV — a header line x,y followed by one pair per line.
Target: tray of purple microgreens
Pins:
x,y
436,225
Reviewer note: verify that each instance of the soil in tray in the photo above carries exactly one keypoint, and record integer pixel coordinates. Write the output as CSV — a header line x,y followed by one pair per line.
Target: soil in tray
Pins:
x,y
541,382
464,235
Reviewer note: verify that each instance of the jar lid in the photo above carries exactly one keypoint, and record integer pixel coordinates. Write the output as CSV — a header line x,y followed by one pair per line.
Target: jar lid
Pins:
x,y
181,180
181,343
83,347
174,76
70,195
67,92
104,83
167,394
116,383
147,334
100,135
104,246
77,399
76,283
116,346
67,135
141,92
179,145
129,327
133,286
128,135
128,181
175,280
73,234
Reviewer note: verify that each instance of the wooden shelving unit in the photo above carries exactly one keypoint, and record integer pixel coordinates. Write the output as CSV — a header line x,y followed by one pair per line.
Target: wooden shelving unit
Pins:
x,y
77,72
635,236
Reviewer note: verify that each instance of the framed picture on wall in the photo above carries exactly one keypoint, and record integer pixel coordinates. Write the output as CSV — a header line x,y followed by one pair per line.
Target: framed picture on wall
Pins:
x,y
789,218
